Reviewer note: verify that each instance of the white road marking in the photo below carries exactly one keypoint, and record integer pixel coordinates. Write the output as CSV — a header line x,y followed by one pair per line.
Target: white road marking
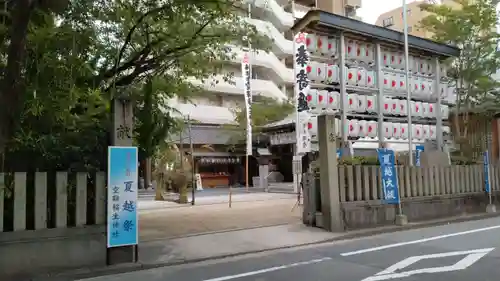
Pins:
x,y
251,273
470,258
419,241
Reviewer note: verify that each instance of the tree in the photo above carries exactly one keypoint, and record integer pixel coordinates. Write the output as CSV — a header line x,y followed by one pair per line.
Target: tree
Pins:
x,y
264,111
96,46
470,25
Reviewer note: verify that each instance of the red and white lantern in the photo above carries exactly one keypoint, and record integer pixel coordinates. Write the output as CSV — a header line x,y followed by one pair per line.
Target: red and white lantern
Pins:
x,y
388,129
311,43
432,132
402,82
443,89
432,112
351,49
332,73
333,100
352,76
362,102
369,56
400,62
352,102
386,58
387,80
353,128
360,51
396,130
426,132
312,99
312,126
394,107
387,106
425,110
445,111
332,47
363,128
404,131
417,132
403,107
371,104
371,130
361,77
322,43
370,79
394,82
415,65
322,99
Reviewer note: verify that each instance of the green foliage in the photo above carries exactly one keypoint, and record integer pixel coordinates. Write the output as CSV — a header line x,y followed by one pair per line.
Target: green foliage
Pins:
x,y
470,25
264,111
59,107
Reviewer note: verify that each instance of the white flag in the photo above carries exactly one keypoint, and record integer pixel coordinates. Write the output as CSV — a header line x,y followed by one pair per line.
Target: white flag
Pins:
x,y
300,61
247,91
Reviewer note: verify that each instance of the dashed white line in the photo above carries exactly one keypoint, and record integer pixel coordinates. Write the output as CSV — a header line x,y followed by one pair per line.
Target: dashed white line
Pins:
x,y
266,270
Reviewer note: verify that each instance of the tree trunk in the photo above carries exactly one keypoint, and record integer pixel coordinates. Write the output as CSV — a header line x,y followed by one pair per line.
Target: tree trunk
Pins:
x,y
12,84
147,172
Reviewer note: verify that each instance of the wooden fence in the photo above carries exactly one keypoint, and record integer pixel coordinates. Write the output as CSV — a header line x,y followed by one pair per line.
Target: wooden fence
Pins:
x,y
363,183
34,201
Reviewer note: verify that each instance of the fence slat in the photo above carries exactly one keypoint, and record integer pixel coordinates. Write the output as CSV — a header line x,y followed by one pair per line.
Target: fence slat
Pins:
x,y
366,183
447,182
426,181
100,198
374,183
350,184
461,176
468,188
406,171
19,201
401,182
61,199
453,175
420,181
359,187
432,182
81,199
413,181
2,196
40,200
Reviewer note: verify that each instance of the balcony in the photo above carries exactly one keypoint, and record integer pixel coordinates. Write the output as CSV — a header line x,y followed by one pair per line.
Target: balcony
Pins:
x,y
353,3
207,114
281,46
264,88
270,62
272,11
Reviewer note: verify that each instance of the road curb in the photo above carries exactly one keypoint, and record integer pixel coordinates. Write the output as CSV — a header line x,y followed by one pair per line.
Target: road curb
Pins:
x,y
125,268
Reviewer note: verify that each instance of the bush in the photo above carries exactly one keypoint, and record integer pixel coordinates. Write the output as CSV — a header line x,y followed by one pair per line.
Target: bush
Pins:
x,y
461,160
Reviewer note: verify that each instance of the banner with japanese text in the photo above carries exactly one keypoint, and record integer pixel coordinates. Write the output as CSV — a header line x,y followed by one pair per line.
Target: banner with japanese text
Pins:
x,y
247,91
486,161
122,213
390,189
418,151
302,86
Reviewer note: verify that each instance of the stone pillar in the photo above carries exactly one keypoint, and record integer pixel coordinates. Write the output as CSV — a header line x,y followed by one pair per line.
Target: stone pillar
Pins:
x,y
263,173
329,183
123,118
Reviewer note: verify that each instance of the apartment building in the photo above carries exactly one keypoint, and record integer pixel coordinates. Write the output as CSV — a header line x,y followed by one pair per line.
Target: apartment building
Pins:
x,y
393,19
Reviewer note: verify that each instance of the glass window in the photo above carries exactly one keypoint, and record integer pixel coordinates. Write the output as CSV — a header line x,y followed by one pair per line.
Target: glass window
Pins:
x,y
388,22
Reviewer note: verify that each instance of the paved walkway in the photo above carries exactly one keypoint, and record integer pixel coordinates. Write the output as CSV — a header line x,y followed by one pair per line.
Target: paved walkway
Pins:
x,y
163,223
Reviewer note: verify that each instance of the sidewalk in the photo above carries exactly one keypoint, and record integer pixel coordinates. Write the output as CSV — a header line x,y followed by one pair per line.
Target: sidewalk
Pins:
x,y
193,220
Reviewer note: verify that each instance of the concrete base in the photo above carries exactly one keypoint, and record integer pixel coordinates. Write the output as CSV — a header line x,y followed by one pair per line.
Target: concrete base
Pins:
x,y
490,208
401,220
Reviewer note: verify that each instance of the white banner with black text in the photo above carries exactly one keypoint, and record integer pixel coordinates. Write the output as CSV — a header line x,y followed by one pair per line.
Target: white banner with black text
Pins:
x,y
301,59
247,91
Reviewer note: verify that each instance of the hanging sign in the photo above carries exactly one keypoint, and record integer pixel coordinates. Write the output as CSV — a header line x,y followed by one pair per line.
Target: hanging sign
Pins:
x,y
302,87
247,91
389,177
486,160
418,150
122,196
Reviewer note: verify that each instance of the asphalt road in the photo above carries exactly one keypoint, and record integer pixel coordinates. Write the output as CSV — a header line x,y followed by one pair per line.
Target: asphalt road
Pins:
x,y
459,252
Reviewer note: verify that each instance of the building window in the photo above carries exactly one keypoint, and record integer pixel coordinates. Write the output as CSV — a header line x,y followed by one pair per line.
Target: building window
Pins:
x,y
388,22
409,13
409,29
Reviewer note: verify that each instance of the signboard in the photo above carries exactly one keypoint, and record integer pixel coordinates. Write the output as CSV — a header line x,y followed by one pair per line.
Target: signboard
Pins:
x,y
418,151
389,177
247,92
199,185
302,86
122,196
486,160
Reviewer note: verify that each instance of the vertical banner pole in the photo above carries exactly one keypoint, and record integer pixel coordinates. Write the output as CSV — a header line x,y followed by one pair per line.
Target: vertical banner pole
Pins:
x,y
408,91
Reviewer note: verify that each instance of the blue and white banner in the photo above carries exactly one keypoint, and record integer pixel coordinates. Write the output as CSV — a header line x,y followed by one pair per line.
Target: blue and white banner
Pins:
x,y
486,160
389,175
123,176
418,150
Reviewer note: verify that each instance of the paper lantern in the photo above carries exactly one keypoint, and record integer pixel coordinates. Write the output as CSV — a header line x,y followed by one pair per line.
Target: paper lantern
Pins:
x,y
369,56
432,132
443,70
423,65
371,104
370,79
353,128
387,107
351,49
425,110
417,132
403,107
332,73
318,72
396,130
312,98
333,100
362,103
430,66
312,126
426,132
361,77
404,131
311,43
322,44
352,102
416,108
400,61
387,129
387,80
352,75
371,130
394,82
402,82
332,47
446,130
416,65
386,58
322,99
360,51
415,85
432,112
363,128
430,87
394,107
338,127
393,61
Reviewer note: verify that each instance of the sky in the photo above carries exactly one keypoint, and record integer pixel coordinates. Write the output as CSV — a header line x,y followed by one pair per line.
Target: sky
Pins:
x,y
371,9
